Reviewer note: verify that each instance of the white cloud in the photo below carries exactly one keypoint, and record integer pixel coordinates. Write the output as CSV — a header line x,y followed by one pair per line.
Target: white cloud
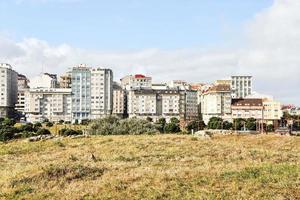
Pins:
x,y
270,53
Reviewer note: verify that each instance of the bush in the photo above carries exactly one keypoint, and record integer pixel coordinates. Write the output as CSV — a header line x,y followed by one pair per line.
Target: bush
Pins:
x,y
85,122
49,124
27,128
114,126
172,128
61,121
160,125
195,125
251,124
43,131
68,132
7,133
8,122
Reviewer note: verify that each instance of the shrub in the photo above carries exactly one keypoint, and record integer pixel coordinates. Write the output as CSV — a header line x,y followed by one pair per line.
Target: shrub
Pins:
x,y
251,124
61,121
195,125
172,128
49,124
160,125
27,128
8,122
85,122
68,132
215,123
7,133
114,126
43,131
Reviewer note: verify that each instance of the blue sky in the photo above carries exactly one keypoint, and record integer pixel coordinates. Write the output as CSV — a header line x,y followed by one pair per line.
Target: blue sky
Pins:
x,y
129,24
192,40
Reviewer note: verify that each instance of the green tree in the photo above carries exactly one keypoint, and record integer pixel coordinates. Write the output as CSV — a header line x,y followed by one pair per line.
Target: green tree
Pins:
x,y
251,124
238,124
215,123
160,125
195,125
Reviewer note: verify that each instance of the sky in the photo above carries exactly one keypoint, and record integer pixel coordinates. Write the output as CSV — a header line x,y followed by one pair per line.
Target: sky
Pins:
x,y
193,40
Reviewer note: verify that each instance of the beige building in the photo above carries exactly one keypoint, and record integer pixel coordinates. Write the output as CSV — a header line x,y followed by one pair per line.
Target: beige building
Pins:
x,y
272,110
119,100
8,90
162,104
137,81
53,104
65,80
247,108
216,102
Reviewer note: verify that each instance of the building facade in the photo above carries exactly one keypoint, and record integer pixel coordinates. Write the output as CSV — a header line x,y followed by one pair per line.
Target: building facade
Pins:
x,y
53,104
8,90
247,108
216,102
138,81
241,86
65,80
92,92
101,92
23,86
44,80
166,104
119,101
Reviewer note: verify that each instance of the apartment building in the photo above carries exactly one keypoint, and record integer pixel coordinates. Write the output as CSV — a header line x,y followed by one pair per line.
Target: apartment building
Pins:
x,y
8,90
53,104
23,86
119,100
166,103
215,101
247,108
44,80
65,80
241,86
101,92
138,81
81,93
92,92
272,110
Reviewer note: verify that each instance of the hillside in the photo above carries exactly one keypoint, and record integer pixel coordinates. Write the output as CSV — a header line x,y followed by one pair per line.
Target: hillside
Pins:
x,y
152,167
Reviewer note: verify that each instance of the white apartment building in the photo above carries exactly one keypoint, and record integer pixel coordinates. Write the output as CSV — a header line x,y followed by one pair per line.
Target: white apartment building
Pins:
x,y
138,81
216,102
241,86
119,100
44,80
22,88
8,90
53,104
162,104
101,92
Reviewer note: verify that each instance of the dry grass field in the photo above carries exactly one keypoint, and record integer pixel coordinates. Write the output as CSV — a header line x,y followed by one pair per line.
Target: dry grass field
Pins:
x,y
152,167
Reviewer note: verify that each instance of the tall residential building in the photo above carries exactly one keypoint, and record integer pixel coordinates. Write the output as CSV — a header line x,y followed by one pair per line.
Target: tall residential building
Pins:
x,y
53,104
44,80
137,81
101,92
216,102
8,90
23,86
65,80
241,86
92,91
119,100
81,93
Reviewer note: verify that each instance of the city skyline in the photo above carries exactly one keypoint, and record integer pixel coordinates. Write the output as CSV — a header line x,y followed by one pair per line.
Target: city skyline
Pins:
x,y
258,38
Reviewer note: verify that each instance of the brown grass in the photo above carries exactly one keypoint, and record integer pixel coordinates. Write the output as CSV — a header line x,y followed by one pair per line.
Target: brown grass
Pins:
x,y
152,167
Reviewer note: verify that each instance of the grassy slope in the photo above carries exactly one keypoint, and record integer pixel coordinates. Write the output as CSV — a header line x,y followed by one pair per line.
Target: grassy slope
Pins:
x,y
152,167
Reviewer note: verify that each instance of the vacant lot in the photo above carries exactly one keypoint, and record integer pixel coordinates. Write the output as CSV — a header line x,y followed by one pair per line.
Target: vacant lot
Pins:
x,y
152,167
